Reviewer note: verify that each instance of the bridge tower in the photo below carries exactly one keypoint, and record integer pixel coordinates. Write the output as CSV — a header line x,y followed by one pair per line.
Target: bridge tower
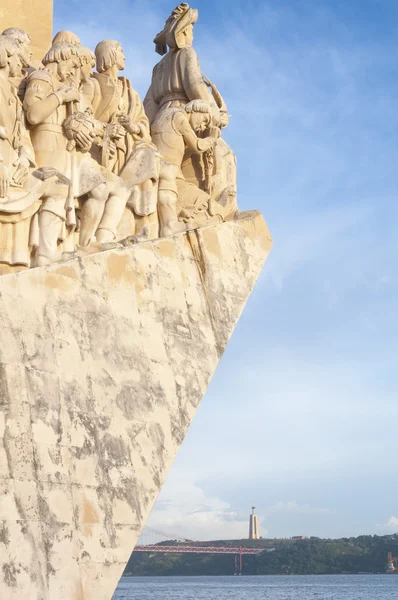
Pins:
x,y
253,526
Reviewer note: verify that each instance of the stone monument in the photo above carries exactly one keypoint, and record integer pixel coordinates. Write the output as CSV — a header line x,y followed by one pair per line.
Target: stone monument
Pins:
x,y
125,264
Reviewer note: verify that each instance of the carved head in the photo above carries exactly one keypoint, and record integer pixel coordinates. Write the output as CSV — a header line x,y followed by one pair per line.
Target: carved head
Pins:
x,y
199,114
109,53
66,58
10,56
23,40
87,63
178,29
185,37
66,36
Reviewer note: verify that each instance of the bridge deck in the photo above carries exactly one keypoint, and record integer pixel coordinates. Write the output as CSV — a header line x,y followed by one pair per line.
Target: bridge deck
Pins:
x,y
199,549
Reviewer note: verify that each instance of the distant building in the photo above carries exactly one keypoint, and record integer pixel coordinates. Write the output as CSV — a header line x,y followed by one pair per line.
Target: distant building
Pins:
x,y
299,537
253,526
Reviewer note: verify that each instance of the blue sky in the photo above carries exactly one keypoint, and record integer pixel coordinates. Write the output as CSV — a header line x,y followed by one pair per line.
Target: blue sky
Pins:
x,y
302,413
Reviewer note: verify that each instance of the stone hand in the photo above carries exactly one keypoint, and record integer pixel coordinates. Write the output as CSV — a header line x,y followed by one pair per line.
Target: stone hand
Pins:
x,y
115,131
206,143
3,132
214,132
84,139
22,171
130,126
4,180
68,94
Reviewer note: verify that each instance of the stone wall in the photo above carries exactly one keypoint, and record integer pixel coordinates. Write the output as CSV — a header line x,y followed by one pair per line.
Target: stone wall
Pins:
x,y
103,363
33,16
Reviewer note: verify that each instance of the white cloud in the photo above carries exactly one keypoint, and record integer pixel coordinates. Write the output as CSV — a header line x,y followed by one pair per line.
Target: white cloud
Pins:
x,y
393,524
185,510
292,506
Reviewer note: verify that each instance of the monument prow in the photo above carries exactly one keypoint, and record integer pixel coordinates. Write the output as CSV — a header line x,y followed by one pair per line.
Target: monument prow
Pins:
x,y
104,361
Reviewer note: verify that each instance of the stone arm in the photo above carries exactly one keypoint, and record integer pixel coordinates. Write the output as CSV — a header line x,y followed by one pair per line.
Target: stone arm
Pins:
x,y
3,127
142,121
25,150
3,132
194,86
89,101
91,94
136,123
16,156
16,134
40,101
150,105
192,141
4,171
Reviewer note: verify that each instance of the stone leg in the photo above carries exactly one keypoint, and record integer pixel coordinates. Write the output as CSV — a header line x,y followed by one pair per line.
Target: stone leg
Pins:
x,y
147,226
169,224
113,213
49,230
91,213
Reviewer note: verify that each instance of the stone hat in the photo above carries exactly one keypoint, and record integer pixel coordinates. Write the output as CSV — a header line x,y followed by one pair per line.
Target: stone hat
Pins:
x,y
181,17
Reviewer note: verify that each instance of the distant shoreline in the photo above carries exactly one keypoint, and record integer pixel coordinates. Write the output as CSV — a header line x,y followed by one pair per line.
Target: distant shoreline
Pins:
x,y
129,576
362,555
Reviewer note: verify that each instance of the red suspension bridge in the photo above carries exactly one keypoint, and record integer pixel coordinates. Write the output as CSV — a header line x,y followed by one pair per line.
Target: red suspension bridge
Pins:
x,y
185,546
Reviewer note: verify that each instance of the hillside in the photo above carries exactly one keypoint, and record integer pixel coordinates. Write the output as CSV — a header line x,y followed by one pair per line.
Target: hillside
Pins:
x,y
366,553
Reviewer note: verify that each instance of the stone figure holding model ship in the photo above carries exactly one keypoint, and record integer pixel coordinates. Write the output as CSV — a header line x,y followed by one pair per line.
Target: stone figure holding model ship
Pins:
x,y
49,102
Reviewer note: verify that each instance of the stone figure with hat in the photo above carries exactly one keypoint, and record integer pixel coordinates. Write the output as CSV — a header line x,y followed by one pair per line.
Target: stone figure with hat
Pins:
x,y
176,80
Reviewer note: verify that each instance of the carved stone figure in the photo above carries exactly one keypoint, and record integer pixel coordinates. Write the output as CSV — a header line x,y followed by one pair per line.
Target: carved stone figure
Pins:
x,y
177,79
51,104
118,192
115,102
174,131
126,147
19,191
48,100
217,168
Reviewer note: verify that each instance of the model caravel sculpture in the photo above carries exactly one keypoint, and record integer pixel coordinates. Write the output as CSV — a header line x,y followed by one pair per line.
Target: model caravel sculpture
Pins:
x,y
129,210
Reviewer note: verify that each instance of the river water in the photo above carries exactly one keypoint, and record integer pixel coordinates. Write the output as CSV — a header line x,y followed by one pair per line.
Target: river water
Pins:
x,y
300,587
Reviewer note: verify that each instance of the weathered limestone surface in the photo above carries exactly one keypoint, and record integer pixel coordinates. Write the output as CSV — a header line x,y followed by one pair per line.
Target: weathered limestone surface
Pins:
x,y
33,16
103,362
